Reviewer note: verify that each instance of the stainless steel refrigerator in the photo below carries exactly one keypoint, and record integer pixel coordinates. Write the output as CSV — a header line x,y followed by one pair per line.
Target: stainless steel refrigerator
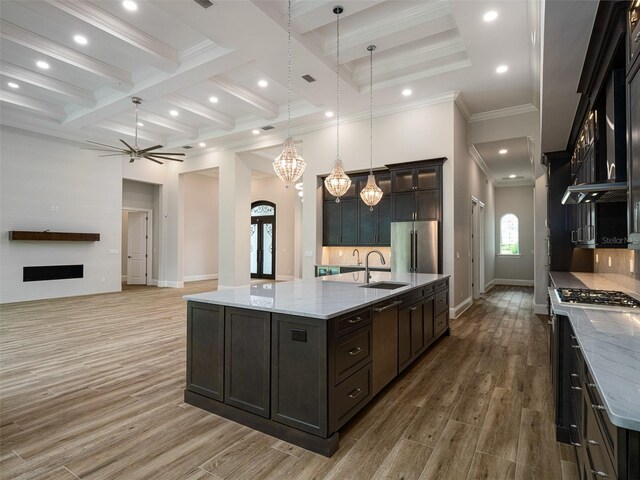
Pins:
x,y
414,247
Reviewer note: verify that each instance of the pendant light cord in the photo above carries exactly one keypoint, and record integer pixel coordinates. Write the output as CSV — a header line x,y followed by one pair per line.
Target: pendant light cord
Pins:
x,y
136,130
338,88
371,48
289,75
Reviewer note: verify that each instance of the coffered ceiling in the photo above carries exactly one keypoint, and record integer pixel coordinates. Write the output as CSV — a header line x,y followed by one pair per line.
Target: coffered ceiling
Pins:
x,y
177,55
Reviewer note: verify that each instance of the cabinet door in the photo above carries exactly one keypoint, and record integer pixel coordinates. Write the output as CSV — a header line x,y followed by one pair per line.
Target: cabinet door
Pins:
x,y
428,205
403,180
404,206
385,348
367,224
417,329
633,155
247,360
383,235
404,338
330,223
428,318
349,221
205,350
428,178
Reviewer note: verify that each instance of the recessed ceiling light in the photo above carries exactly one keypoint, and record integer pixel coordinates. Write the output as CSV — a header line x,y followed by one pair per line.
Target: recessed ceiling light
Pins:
x,y
213,99
301,193
328,114
140,124
594,194
490,16
130,5
513,175
202,144
263,83
502,69
42,64
255,131
13,85
502,151
80,40
406,92
173,113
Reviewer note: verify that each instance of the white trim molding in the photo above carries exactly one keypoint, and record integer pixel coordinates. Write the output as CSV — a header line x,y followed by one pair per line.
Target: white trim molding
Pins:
x,y
488,286
540,309
503,112
284,278
197,278
516,282
461,307
169,284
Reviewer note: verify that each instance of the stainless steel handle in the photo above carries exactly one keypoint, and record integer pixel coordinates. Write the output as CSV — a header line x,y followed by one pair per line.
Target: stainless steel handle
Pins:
x,y
573,236
575,444
355,351
571,377
387,307
597,407
355,393
592,229
571,339
415,255
580,239
353,321
600,474
592,442
412,262
591,385
413,309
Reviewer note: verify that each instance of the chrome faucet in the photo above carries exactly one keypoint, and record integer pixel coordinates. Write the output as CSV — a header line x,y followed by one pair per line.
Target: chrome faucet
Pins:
x,y
367,275
356,251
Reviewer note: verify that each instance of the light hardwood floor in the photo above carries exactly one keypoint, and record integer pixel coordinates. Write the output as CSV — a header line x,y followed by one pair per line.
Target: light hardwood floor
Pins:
x,y
91,387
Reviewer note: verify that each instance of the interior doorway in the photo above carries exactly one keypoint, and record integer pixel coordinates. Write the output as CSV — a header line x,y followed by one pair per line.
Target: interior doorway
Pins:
x,y
263,240
137,246
477,248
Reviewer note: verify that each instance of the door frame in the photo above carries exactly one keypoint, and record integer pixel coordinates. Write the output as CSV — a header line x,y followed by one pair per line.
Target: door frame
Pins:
x,y
149,245
476,259
273,250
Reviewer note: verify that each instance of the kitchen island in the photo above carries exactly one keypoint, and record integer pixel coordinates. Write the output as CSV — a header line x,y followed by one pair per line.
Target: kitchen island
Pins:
x,y
596,373
298,359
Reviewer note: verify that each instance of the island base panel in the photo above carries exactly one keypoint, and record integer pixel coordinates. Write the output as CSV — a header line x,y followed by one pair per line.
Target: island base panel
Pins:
x,y
323,446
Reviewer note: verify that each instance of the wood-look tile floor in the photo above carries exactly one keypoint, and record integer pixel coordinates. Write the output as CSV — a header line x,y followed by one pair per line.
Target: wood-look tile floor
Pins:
x,y
91,387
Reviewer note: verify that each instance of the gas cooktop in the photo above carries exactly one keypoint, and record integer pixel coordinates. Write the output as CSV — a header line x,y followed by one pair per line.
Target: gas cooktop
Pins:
x,y
607,298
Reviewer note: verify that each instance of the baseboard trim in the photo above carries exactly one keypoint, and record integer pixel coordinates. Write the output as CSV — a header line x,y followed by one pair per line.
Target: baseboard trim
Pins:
x,y
197,278
514,282
461,307
540,309
284,278
489,285
123,278
153,282
168,284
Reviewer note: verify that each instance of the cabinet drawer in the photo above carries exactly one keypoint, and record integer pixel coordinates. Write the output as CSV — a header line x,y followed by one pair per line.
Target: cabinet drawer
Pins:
x,y
351,321
351,395
608,430
429,289
352,352
598,460
441,322
442,302
441,284
411,297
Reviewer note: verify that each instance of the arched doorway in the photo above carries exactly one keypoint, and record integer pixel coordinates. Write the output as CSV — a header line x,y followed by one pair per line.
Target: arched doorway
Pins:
x,y
263,240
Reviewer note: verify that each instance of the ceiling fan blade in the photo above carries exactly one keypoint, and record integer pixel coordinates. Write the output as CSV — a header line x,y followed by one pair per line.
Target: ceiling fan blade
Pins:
x,y
112,155
168,153
145,150
152,159
128,146
155,155
104,150
104,145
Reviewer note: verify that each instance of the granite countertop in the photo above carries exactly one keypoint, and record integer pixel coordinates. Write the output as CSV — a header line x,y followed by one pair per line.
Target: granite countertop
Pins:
x,y
346,265
610,342
322,297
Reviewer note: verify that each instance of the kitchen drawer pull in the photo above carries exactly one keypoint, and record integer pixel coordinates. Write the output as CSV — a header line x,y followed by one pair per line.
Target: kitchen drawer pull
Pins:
x,y
571,339
413,309
600,474
387,307
573,234
575,346
597,407
575,388
355,393
575,444
591,385
593,442
353,321
571,377
355,351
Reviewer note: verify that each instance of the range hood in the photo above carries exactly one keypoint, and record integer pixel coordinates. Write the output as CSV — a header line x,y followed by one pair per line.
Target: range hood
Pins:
x,y
604,192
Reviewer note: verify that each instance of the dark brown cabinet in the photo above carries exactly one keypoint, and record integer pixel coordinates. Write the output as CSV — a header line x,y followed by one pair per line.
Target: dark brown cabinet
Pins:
x,y
633,153
416,190
374,226
205,350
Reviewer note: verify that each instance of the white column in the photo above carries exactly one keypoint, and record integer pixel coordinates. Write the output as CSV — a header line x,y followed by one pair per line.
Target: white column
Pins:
x,y
173,231
234,224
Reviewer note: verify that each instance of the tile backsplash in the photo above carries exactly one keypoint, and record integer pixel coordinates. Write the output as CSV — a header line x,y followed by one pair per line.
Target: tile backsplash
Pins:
x,y
345,256
620,260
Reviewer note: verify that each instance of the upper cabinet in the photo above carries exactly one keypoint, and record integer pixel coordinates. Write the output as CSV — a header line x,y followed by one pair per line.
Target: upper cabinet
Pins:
x,y
633,123
417,190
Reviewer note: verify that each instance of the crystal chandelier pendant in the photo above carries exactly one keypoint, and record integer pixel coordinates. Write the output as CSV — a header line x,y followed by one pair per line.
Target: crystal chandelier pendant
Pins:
x,y
338,182
289,165
371,193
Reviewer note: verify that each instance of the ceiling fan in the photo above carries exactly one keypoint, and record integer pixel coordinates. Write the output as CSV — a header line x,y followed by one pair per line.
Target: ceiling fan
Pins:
x,y
136,152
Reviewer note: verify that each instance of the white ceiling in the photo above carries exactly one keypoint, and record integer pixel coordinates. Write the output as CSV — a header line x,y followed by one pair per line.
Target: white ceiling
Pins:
x,y
516,161
175,55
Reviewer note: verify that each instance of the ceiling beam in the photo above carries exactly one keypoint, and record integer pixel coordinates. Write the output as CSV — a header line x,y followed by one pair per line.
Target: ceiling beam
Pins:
x,y
169,124
77,95
163,56
223,120
39,107
129,131
266,109
113,77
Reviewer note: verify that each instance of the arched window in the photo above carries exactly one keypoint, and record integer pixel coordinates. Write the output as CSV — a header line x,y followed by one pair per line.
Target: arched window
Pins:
x,y
509,235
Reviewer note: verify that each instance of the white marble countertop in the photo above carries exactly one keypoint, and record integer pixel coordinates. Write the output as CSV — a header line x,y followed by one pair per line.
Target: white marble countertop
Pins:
x,y
321,297
610,342
347,265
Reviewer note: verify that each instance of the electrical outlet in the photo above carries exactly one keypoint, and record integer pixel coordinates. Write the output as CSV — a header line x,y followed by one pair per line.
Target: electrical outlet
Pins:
x,y
597,258
339,253
609,261
308,253
631,266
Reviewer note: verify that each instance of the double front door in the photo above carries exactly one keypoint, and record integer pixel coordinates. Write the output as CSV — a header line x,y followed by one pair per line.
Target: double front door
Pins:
x,y
263,229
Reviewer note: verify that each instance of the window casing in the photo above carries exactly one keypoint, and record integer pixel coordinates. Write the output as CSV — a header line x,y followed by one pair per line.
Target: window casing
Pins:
x,y
509,235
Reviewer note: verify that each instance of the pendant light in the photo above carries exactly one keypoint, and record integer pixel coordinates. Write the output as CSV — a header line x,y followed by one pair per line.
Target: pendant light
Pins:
x,y
371,193
338,182
289,165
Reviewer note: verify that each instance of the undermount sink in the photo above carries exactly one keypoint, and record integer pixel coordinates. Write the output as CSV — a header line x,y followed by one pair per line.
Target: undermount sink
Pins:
x,y
385,285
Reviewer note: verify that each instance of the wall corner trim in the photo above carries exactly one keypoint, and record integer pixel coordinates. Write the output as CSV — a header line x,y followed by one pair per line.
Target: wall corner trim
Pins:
x,y
540,309
461,308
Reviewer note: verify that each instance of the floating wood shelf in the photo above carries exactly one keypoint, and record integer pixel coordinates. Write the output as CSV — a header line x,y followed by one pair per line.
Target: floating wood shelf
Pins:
x,y
54,236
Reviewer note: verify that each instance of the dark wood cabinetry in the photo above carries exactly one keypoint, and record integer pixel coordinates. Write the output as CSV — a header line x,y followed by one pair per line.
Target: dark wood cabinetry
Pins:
x,y
633,124
416,190
205,350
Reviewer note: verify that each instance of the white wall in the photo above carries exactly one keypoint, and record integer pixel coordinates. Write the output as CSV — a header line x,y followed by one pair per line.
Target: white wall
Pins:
x,y
125,244
288,206
519,201
36,174
200,227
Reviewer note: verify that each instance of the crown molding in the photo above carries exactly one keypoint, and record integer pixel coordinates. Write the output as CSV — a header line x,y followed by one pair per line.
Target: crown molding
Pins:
x,y
432,72
266,109
464,109
162,56
477,158
112,76
503,112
